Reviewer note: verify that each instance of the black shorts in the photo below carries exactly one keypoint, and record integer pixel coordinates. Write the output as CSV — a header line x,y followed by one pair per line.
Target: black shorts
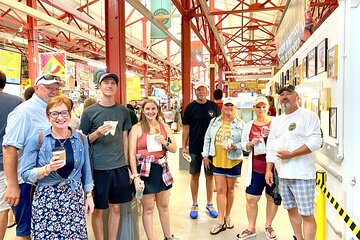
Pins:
x,y
111,186
195,164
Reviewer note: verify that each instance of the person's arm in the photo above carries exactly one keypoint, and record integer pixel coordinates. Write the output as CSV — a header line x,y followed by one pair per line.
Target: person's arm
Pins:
x,y
169,145
185,137
10,161
206,146
269,176
126,146
134,134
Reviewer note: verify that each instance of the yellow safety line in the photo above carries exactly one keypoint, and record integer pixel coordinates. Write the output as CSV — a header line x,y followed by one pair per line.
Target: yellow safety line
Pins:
x,y
354,228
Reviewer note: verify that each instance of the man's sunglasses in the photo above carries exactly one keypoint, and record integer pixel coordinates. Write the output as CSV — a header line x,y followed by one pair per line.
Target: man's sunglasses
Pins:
x,y
49,77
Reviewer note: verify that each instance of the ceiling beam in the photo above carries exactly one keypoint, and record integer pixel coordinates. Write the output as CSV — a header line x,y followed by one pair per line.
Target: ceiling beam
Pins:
x,y
148,14
46,18
206,11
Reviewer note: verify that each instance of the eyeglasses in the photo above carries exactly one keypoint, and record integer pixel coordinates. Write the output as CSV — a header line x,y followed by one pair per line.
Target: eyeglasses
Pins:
x,y
56,114
49,77
285,93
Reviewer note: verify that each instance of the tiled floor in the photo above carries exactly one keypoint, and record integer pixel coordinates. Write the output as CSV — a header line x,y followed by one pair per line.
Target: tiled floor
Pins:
x,y
187,229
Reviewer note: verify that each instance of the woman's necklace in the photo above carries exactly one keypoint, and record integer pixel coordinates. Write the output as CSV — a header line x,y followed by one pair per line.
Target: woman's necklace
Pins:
x,y
62,143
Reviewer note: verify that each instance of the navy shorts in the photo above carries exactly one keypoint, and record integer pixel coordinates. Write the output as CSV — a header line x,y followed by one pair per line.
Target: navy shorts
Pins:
x,y
22,211
195,165
258,184
233,172
111,186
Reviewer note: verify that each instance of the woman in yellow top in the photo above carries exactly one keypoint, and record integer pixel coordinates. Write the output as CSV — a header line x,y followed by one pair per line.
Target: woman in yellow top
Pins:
x,y
222,149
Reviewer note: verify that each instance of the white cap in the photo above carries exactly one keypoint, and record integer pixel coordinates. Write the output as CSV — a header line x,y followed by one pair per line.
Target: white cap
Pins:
x,y
200,84
48,79
230,100
261,99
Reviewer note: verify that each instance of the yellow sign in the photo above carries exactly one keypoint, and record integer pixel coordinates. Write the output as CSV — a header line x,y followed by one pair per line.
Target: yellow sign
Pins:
x,y
133,89
10,64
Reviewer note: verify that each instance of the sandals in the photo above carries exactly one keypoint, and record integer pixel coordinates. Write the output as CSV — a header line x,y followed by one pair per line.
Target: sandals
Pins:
x,y
270,233
245,235
228,223
218,228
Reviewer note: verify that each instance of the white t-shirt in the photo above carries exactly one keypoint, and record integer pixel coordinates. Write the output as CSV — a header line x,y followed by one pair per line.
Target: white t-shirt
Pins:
x,y
289,132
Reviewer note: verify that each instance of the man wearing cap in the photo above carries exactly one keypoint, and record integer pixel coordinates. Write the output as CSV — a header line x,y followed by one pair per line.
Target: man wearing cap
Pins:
x,y
197,116
107,124
27,119
11,102
294,137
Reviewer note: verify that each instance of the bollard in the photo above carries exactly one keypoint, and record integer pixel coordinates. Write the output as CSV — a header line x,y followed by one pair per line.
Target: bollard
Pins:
x,y
320,206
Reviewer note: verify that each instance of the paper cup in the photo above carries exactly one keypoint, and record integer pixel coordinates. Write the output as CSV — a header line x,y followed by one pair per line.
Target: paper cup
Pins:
x,y
61,153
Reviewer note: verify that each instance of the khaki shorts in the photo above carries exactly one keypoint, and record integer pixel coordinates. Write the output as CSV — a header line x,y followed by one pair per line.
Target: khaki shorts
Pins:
x,y
3,205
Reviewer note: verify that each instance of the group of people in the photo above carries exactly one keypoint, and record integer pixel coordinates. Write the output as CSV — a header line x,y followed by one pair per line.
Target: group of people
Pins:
x,y
110,159
56,174
281,147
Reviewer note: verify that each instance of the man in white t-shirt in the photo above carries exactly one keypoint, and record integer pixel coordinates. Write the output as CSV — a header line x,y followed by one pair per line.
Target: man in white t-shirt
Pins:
x,y
294,137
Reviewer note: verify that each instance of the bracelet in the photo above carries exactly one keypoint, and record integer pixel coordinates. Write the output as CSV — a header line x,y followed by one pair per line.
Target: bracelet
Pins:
x,y
132,177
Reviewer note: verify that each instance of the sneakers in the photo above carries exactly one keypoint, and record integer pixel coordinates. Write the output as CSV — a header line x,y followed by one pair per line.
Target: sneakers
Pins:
x,y
211,211
194,211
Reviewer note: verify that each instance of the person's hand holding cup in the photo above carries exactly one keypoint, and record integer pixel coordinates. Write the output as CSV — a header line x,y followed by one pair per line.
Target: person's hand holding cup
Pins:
x,y
58,159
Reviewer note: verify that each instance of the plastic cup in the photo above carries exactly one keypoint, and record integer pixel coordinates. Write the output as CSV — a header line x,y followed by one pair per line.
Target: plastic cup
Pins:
x,y
61,153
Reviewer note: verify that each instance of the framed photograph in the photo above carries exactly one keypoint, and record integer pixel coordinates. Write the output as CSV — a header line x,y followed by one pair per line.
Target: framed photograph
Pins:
x,y
312,63
295,63
332,63
300,72
304,68
277,87
291,75
315,106
322,56
297,75
287,77
282,80
333,122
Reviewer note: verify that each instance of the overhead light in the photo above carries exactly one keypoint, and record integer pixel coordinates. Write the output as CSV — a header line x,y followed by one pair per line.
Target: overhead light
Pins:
x,y
96,64
21,28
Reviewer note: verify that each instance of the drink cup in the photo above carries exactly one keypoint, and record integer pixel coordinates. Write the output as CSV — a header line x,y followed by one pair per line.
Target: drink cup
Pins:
x,y
61,153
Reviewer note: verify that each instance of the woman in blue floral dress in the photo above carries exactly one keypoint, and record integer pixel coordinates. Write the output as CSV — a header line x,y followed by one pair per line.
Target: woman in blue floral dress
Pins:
x,y
59,202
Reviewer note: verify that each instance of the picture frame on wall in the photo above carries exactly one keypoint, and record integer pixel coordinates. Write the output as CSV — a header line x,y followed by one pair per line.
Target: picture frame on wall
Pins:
x,y
291,76
287,77
277,87
322,56
312,63
315,106
297,75
304,68
300,72
332,63
333,122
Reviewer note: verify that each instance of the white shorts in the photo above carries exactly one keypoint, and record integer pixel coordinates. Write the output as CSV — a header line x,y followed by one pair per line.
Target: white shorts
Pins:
x,y
3,205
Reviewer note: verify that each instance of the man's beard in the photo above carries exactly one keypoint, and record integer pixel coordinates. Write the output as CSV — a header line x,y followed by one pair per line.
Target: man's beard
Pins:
x,y
285,106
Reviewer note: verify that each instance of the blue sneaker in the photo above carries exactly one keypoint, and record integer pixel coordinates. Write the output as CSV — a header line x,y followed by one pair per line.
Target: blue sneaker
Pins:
x,y
211,210
194,211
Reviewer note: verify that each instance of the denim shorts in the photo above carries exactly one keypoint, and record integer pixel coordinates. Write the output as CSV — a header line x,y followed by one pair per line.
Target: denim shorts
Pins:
x,y
233,172
111,186
298,193
258,184
195,165
22,211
